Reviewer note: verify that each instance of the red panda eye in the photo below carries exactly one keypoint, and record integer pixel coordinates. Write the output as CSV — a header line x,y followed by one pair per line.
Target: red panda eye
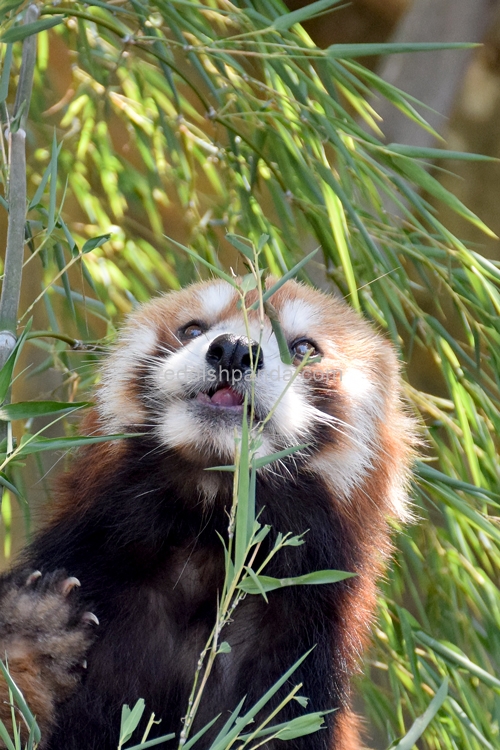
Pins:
x,y
302,348
192,331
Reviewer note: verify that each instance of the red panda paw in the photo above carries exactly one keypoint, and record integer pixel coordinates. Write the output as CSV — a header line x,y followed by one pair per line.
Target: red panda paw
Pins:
x,y
45,632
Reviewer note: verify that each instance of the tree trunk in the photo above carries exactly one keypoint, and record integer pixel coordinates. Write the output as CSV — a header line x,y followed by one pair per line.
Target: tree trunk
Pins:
x,y
432,77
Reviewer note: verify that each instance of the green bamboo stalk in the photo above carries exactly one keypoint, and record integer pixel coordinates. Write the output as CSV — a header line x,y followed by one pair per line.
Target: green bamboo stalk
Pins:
x,y
14,255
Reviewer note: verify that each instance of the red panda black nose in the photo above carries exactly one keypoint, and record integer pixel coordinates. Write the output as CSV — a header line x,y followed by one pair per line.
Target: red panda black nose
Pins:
x,y
231,355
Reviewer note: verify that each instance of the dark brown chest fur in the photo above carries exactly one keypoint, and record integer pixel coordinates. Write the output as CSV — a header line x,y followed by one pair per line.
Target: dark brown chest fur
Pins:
x,y
153,574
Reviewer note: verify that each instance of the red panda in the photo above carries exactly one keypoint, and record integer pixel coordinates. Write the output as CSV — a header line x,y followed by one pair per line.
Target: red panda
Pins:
x,y
138,521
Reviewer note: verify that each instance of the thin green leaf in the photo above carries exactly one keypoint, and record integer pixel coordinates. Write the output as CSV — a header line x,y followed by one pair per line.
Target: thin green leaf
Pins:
x,y
285,22
265,460
242,247
7,5
267,583
288,275
433,475
151,743
244,515
301,726
342,51
194,739
4,481
417,174
17,33
5,736
228,725
217,271
20,702
436,153
7,63
38,445
420,725
61,263
32,409
460,659
284,349
7,370
254,583
95,242
221,742
130,720
51,221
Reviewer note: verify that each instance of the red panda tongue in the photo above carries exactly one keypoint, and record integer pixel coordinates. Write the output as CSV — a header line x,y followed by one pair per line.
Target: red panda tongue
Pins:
x,y
226,397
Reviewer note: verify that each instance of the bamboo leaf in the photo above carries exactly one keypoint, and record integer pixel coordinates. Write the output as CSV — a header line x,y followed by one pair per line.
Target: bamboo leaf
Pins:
x,y
242,247
415,152
130,720
20,701
459,659
39,444
217,271
18,33
298,727
286,277
4,481
95,242
285,22
7,63
245,511
420,725
194,739
6,373
267,583
32,409
265,460
342,51
420,176
221,742
151,743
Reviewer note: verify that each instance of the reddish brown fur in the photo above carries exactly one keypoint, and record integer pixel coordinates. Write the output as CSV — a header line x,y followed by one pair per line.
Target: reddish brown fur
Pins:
x,y
346,343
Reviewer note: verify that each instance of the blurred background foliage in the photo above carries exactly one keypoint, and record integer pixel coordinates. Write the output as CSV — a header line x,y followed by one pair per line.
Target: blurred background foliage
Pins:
x,y
189,120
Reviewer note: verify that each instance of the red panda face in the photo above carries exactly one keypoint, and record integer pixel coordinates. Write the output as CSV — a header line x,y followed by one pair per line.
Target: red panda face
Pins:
x,y
187,361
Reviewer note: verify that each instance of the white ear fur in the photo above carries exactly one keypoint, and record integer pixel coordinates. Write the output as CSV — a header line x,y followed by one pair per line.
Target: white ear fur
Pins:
x,y
115,404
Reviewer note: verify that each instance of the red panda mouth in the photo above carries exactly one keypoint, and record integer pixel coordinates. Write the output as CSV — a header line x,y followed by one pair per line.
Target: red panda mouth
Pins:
x,y
224,397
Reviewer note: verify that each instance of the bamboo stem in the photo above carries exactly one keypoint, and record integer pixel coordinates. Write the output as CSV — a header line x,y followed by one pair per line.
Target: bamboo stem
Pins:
x,y
9,300
14,254
25,85
15,235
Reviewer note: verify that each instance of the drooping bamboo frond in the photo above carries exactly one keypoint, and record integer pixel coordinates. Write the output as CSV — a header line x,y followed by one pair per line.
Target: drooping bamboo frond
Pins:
x,y
194,120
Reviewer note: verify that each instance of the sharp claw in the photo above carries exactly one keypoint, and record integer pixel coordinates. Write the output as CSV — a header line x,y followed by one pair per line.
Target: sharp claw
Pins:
x,y
33,577
69,584
84,664
90,617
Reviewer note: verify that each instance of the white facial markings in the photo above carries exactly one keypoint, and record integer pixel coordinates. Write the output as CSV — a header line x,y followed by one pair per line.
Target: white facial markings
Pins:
x,y
346,467
185,367
343,469
115,402
365,402
181,427
298,316
182,422
276,387
397,497
214,298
